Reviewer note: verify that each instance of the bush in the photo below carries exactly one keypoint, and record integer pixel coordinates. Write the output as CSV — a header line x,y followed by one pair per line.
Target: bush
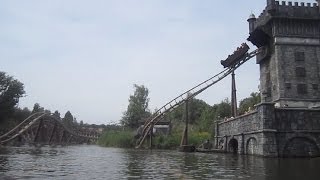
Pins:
x,y
167,142
173,141
197,138
121,139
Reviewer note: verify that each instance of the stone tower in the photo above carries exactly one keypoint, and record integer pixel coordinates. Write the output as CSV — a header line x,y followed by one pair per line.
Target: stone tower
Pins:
x,y
288,35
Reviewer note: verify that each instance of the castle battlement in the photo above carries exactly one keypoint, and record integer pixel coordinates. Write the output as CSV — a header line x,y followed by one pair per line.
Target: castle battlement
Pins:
x,y
293,4
288,9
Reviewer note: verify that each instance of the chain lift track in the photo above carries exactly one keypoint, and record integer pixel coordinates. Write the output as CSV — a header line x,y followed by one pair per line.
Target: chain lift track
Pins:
x,y
191,93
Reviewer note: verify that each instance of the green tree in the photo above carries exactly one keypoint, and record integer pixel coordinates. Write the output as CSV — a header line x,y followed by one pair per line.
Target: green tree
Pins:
x,y
68,119
57,114
37,108
138,107
248,103
223,109
196,109
10,92
206,119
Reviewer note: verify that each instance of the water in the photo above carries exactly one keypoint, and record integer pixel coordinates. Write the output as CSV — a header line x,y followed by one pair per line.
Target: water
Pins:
x,y
94,162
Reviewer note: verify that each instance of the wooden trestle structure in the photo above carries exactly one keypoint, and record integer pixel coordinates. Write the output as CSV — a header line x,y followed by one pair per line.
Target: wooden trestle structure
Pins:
x,y
44,128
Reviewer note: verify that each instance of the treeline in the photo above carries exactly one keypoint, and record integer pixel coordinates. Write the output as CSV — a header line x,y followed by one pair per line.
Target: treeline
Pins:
x,y
10,115
202,118
200,113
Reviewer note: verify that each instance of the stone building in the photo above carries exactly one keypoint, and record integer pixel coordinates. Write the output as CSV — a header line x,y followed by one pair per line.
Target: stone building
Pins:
x,y
287,122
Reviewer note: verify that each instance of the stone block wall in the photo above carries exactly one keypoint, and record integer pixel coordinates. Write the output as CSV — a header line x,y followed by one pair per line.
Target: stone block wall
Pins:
x,y
273,132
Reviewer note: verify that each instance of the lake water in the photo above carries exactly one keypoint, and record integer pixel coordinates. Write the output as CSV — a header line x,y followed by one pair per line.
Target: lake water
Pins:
x,y
94,162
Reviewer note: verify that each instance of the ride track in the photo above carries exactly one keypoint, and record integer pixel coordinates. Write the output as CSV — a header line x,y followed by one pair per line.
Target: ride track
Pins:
x,y
36,129
191,93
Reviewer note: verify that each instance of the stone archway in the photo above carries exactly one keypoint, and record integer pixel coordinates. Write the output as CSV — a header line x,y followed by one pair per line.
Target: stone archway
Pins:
x,y
233,146
301,147
252,146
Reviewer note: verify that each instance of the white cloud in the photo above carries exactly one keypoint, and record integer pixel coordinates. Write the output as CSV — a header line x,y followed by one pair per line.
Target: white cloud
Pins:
x,y
85,56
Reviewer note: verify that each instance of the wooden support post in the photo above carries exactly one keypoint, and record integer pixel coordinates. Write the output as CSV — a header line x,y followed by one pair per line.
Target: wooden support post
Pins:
x,y
184,140
69,139
52,132
234,112
61,138
38,130
216,129
151,136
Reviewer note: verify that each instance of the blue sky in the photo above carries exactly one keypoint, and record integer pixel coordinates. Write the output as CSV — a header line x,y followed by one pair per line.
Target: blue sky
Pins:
x,y
85,56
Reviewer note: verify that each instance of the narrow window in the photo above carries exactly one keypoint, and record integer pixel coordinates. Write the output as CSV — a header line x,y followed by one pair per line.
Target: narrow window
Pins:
x,y
300,72
299,56
302,89
288,85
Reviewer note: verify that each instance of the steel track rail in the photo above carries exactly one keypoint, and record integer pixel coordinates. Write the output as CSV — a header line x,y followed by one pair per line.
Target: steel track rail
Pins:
x,y
189,94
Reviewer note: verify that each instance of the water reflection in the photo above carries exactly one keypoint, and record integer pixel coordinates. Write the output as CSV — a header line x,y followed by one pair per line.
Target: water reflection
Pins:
x,y
93,162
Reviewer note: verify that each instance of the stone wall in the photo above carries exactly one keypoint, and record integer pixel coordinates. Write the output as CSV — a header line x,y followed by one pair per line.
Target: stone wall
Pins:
x,y
243,124
270,131
298,131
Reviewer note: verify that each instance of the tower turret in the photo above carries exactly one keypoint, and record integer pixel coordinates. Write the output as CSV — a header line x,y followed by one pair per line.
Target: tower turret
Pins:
x,y
252,19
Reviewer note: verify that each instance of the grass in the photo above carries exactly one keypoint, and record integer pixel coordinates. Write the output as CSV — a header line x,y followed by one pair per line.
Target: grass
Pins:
x,y
121,139
125,139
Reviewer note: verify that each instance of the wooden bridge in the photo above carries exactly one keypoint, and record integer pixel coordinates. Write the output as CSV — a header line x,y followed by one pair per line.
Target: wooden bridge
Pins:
x,y
44,128
240,56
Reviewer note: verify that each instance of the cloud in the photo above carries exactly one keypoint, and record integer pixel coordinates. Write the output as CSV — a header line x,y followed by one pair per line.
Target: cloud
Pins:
x,y
85,56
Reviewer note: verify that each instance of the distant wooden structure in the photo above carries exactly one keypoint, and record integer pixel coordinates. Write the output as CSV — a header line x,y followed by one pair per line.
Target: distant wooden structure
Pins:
x,y
44,128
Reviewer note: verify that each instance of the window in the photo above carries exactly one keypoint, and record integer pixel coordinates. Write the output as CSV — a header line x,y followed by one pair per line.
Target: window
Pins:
x,y
302,89
300,72
288,85
299,56
315,86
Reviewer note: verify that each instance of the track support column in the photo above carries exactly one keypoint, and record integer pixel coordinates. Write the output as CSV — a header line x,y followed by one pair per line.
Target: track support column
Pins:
x,y
234,112
52,132
38,130
184,140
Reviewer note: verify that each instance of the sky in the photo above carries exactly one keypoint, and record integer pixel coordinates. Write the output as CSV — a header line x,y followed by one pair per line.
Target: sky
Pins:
x,y
84,56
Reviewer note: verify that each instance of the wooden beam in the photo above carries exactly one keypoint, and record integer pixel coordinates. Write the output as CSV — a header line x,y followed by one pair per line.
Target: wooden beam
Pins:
x,y
38,130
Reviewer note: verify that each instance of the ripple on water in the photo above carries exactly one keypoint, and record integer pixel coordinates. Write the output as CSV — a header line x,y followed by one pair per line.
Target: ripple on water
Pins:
x,y
93,162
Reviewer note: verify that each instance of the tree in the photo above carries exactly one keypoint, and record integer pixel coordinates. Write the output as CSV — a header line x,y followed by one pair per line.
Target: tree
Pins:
x,y
10,92
206,119
138,107
21,114
223,109
68,119
37,108
248,103
57,114
81,123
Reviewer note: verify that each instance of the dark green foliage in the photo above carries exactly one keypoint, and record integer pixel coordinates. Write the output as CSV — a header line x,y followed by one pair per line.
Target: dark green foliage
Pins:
x,y
57,114
202,118
10,115
21,114
206,120
137,110
196,108
37,108
114,138
202,114
248,103
10,92
223,109
173,140
68,119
